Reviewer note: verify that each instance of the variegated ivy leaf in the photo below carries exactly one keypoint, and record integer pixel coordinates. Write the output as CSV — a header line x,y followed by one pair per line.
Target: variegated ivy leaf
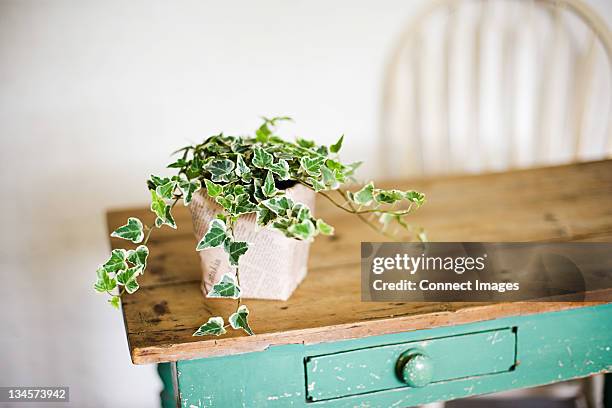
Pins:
x,y
281,169
415,197
242,204
114,301
117,261
264,215
162,210
388,196
365,196
239,320
214,327
258,190
269,188
316,184
329,178
127,278
242,170
279,205
104,283
335,148
214,237
188,188
304,230
225,288
213,189
261,158
138,256
312,166
156,181
132,231
324,228
302,211
234,250
166,190
220,170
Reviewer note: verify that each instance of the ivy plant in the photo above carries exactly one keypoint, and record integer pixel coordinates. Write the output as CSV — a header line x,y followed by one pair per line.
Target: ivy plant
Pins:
x,y
250,175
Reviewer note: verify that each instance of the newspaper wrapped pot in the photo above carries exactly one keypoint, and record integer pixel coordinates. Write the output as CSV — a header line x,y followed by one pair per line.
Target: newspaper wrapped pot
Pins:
x,y
273,266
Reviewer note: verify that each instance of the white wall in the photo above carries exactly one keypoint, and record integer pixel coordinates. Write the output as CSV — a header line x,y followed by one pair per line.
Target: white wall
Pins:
x,y
93,97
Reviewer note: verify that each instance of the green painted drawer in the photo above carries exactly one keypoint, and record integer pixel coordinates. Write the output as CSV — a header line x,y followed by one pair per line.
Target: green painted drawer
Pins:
x,y
550,347
372,369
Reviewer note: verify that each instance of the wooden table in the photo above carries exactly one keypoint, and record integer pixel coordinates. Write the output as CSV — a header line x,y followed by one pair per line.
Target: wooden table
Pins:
x,y
324,322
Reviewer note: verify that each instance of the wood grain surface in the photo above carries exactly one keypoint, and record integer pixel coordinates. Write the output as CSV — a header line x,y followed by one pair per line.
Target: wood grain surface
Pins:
x,y
566,203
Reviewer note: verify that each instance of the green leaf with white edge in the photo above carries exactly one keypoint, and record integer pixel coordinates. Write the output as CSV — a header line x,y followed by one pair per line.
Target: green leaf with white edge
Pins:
x,y
239,320
281,169
242,204
114,301
324,228
312,166
304,230
279,205
316,184
261,158
104,283
241,167
166,190
132,231
234,250
138,256
220,169
302,212
388,196
213,189
127,278
269,188
117,261
422,236
264,215
415,197
335,148
162,210
329,178
157,181
225,288
188,188
365,196
214,237
213,327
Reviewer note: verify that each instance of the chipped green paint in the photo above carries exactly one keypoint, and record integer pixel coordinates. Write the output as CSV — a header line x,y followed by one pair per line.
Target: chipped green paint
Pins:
x,y
549,348
375,368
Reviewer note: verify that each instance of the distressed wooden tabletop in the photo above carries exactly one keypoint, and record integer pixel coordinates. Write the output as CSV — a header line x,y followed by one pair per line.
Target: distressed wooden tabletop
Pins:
x,y
567,203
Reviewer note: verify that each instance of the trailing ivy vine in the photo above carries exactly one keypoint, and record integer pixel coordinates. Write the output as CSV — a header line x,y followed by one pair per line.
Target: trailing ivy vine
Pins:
x,y
249,175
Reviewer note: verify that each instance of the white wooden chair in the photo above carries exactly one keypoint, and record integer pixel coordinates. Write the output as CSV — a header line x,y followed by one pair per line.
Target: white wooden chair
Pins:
x,y
488,85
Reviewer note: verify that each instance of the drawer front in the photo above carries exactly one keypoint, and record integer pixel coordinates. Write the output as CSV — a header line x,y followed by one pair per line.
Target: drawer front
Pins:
x,y
382,368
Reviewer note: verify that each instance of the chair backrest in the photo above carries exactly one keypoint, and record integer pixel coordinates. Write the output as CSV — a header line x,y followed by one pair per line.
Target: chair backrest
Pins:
x,y
481,85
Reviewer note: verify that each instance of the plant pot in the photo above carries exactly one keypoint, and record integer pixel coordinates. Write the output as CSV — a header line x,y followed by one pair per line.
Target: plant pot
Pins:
x,y
273,266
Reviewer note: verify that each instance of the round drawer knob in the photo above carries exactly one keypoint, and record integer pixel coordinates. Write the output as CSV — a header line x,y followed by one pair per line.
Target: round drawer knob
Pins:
x,y
415,368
